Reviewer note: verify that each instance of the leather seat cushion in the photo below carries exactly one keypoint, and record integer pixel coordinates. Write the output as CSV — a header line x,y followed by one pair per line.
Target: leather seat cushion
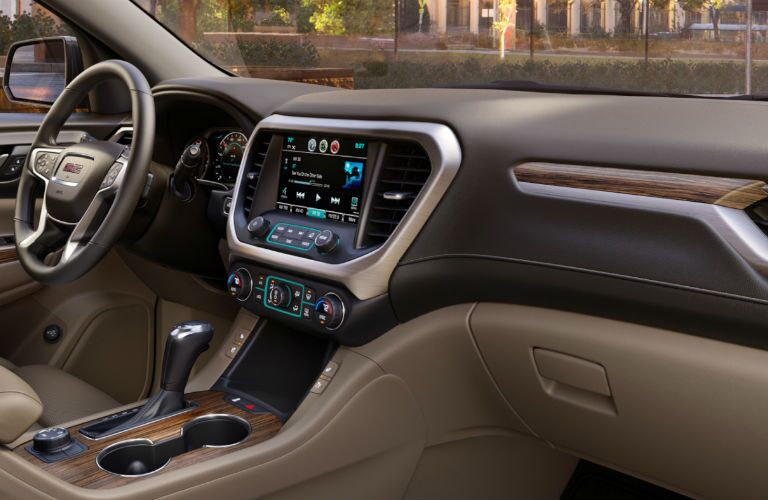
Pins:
x,y
64,396
7,364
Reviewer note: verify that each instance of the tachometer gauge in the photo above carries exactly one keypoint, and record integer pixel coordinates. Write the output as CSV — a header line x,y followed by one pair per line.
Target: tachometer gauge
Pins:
x,y
200,141
229,153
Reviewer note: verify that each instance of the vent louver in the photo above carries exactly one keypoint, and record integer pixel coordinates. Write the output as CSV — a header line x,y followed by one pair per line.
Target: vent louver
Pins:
x,y
252,176
759,214
125,137
404,171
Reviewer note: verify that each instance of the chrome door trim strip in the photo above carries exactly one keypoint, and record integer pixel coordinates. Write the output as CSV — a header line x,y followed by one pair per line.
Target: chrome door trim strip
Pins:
x,y
366,276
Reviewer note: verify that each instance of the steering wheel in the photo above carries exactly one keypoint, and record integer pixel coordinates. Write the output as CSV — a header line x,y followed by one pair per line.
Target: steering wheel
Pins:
x,y
91,189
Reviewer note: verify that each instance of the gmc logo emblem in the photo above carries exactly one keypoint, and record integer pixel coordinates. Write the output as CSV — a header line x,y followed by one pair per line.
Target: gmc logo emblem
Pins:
x,y
73,168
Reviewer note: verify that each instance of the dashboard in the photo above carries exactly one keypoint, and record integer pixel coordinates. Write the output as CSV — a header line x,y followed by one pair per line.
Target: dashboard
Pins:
x,y
423,242
500,200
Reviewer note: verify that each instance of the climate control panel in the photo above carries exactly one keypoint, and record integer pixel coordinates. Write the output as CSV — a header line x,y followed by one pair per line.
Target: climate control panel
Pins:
x,y
310,305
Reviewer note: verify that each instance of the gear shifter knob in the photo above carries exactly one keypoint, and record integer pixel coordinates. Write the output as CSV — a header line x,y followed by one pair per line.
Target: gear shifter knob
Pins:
x,y
185,343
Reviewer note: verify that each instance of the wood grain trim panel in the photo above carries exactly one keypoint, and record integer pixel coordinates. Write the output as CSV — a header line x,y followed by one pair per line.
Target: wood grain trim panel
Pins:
x,y
8,254
723,191
82,470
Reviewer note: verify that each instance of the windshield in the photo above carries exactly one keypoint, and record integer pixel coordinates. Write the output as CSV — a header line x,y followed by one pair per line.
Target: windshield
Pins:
x,y
670,46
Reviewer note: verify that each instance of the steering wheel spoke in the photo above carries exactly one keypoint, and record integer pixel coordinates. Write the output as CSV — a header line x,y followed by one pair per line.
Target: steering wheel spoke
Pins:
x,y
84,229
97,210
46,238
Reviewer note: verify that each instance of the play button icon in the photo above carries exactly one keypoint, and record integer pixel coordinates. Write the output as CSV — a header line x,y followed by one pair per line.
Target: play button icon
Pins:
x,y
317,197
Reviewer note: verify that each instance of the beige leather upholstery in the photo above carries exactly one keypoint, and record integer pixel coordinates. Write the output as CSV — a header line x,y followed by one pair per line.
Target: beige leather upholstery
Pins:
x,y
4,363
63,396
20,407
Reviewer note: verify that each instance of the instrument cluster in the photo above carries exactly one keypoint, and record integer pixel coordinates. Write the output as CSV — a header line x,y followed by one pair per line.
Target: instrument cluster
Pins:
x,y
222,153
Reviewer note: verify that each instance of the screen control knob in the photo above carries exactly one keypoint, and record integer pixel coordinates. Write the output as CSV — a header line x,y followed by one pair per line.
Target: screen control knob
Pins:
x,y
326,241
329,311
258,226
51,440
279,295
239,284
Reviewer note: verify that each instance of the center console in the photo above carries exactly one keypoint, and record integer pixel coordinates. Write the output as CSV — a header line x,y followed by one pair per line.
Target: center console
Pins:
x,y
322,213
172,430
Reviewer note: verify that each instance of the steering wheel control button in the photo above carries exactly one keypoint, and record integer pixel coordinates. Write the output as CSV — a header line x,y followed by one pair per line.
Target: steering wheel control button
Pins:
x,y
52,333
258,226
44,162
111,176
329,311
239,284
326,241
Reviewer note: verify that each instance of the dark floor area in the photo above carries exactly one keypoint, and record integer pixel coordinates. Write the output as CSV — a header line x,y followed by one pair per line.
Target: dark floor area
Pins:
x,y
591,482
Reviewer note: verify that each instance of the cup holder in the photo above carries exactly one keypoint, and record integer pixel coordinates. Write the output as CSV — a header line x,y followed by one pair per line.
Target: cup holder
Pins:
x,y
139,457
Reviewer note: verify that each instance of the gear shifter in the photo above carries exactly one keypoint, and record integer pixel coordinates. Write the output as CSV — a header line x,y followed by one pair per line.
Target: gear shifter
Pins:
x,y
185,343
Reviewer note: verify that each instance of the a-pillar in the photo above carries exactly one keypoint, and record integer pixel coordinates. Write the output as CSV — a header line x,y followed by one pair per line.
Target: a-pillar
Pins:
x,y
541,12
574,17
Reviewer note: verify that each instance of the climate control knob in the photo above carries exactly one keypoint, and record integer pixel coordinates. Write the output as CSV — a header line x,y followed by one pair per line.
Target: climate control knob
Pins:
x,y
239,284
258,226
329,311
279,295
326,241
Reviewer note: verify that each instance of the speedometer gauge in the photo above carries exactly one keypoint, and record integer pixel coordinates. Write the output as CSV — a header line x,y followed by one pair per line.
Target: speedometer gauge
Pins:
x,y
229,153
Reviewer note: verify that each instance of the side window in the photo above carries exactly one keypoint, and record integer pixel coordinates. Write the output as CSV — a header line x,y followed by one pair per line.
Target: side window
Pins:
x,y
25,20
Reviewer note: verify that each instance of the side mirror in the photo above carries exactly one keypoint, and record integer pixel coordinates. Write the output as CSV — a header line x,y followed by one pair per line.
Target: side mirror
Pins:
x,y
36,71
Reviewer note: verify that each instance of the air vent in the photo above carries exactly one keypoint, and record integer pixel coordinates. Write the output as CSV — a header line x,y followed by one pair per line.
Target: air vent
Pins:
x,y
404,171
759,214
123,136
252,176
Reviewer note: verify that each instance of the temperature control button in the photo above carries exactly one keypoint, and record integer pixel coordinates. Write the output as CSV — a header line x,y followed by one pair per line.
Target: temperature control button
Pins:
x,y
239,284
329,311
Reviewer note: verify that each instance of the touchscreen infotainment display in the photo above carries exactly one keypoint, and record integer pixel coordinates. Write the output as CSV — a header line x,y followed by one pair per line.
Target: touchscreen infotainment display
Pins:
x,y
321,176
